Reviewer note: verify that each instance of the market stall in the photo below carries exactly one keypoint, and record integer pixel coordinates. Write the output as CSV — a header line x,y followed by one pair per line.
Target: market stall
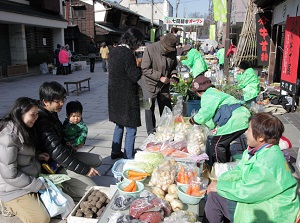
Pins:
x,y
163,183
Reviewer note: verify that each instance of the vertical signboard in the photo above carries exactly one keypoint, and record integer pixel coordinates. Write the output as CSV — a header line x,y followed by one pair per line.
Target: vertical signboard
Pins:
x,y
263,34
212,32
290,55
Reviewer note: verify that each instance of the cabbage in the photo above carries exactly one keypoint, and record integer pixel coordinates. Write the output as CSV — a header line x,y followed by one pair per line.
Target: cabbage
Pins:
x,y
151,158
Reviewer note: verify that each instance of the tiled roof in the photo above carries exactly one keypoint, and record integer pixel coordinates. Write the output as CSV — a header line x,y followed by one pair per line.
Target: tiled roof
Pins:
x,y
109,29
118,6
18,8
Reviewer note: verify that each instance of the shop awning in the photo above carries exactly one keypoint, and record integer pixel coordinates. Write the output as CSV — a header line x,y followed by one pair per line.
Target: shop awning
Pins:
x,y
267,3
105,30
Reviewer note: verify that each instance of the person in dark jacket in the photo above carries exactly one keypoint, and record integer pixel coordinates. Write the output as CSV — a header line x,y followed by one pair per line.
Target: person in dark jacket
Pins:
x,y
123,99
159,66
57,63
79,166
92,55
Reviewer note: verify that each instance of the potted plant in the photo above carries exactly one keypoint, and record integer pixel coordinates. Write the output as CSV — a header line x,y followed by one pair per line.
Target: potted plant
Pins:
x,y
190,100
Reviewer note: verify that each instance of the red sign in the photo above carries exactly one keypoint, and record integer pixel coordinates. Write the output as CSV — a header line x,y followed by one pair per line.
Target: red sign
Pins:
x,y
290,54
263,30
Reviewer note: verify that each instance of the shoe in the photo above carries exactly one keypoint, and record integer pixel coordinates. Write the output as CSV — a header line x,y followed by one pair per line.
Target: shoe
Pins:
x,y
114,156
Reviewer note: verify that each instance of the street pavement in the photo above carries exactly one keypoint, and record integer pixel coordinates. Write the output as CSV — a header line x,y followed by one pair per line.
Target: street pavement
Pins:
x,y
95,115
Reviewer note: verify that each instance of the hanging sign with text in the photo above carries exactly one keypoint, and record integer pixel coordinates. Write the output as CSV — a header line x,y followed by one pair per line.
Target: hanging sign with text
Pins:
x,y
263,34
184,21
290,55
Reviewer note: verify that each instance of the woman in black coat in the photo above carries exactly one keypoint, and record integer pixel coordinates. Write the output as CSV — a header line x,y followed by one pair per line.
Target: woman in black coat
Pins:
x,y
123,99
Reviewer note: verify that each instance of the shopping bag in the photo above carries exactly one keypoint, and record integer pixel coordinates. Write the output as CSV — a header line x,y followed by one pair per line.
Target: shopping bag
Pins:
x,y
52,198
69,206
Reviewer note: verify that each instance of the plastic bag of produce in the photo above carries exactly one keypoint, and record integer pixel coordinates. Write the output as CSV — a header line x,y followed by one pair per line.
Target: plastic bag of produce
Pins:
x,y
122,202
180,131
196,139
181,217
165,128
164,175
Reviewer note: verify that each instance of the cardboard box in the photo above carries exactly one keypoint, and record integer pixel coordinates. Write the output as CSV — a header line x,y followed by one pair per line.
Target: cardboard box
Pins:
x,y
73,219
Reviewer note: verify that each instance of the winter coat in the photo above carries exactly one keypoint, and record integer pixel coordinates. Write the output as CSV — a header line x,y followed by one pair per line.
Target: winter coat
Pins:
x,y
196,62
75,133
63,56
156,64
220,55
211,101
249,83
18,166
263,187
123,98
50,136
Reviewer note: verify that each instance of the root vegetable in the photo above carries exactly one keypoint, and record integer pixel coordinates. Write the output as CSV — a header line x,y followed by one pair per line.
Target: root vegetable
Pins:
x,y
170,197
176,205
172,189
158,191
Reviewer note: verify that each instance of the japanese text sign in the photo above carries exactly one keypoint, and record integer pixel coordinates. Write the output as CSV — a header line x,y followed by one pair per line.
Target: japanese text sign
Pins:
x,y
290,55
263,34
184,21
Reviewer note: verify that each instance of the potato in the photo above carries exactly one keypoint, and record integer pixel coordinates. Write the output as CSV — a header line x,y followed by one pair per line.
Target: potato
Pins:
x,y
99,194
82,205
102,199
95,198
94,209
99,204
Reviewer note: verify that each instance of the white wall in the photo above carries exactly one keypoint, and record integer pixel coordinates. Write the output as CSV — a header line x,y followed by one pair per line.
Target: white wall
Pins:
x,y
283,10
100,12
160,10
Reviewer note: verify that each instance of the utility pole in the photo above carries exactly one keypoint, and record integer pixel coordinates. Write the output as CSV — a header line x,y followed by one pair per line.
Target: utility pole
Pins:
x,y
227,40
152,6
177,4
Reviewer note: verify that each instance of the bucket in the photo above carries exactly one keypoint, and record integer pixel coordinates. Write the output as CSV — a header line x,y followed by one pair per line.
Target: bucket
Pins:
x,y
190,106
117,169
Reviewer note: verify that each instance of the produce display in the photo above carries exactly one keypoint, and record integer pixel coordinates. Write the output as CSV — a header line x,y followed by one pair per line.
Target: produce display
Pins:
x,y
177,139
154,189
93,206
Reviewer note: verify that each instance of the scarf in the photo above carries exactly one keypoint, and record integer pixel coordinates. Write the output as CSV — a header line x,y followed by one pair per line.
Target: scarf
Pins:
x,y
253,150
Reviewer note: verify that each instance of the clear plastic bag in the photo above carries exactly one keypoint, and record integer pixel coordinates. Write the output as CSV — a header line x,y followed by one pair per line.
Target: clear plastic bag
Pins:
x,y
196,139
178,108
122,202
144,95
181,217
165,128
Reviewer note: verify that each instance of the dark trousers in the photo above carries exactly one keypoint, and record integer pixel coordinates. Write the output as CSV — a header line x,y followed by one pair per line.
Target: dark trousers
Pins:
x,y
69,69
58,69
65,70
163,99
220,146
92,64
218,209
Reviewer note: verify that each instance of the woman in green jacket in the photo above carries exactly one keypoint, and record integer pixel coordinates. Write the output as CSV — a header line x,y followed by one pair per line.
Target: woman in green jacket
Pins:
x,y
261,188
221,112
196,63
248,82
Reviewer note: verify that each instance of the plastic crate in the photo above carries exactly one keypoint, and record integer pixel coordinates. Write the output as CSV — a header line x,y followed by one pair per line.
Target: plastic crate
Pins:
x,y
117,169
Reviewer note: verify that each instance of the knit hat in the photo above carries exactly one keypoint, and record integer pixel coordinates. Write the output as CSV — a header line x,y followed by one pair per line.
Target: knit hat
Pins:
x,y
169,42
201,83
186,47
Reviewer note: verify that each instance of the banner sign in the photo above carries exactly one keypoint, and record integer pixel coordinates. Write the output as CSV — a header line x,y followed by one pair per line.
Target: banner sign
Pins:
x,y
290,57
263,36
212,32
220,10
184,21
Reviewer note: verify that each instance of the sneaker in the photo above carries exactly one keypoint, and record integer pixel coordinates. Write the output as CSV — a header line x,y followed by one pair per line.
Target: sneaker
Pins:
x,y
114,156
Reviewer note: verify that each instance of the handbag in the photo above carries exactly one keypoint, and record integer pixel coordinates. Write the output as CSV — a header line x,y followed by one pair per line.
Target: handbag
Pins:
x,y
52,198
